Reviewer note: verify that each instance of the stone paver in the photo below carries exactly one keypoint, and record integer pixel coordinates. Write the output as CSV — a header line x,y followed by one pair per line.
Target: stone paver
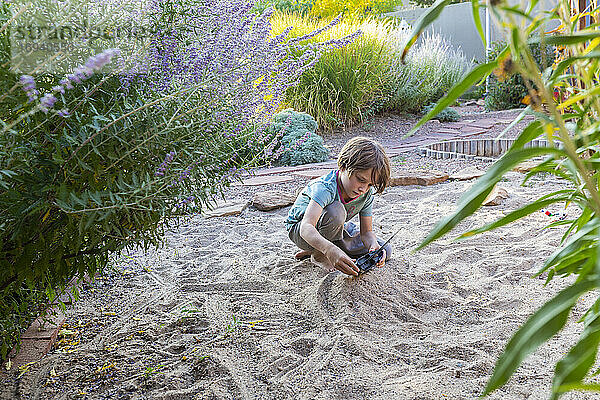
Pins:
x,y
266,180
272,200
313,173
422,178
467,173
226,210
454,125
496,197
482,124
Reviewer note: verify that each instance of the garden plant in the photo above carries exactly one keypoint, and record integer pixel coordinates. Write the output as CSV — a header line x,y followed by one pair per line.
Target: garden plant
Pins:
x,y
297,143
328,9
572,121
509,91
110,153
353,82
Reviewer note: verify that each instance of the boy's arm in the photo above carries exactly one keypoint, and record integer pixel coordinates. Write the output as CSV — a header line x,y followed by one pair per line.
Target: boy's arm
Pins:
x,y
336,256
369,238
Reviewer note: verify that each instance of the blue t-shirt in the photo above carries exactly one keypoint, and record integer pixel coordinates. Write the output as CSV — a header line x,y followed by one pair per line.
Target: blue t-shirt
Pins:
x,y
324,191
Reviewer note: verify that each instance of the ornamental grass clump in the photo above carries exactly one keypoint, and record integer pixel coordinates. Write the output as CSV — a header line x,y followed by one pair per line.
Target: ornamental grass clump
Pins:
x,y
359,8
571,121
345,81
108,154
425,75
348,85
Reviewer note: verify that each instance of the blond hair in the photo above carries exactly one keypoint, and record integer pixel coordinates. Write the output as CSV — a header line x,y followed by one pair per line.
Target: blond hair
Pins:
x,y
361,153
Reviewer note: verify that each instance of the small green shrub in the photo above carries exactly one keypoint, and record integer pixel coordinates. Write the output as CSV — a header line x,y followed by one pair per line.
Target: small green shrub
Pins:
x,y
429,3
446,115
509,92
299,143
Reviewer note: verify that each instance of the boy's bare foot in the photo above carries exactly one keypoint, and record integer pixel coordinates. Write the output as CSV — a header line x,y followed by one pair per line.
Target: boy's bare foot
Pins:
x,y
319,259
303,254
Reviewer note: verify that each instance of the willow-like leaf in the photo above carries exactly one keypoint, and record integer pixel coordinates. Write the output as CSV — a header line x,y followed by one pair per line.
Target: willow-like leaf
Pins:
x,y
515,215
565,40
515,10
579,386
577,363
586,215
477,21
586,94
424,21
471,200
572,245
547,167
469,80
540,327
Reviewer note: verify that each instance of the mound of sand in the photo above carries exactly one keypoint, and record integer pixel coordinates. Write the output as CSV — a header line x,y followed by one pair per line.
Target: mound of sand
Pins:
x,y
223,311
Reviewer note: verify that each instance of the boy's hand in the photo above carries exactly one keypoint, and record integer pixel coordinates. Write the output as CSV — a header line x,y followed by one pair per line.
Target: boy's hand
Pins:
x,y
341,261
381,262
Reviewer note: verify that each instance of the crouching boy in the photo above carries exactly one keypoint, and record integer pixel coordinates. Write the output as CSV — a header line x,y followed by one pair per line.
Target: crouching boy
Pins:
x,y
318,221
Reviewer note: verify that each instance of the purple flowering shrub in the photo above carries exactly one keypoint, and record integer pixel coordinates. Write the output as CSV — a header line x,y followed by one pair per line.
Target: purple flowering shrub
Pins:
x,y
108,155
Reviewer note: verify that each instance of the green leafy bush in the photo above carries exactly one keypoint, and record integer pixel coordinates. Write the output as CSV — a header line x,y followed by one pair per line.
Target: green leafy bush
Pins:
x,y
428,3
99,160
446,115
507,92
299,144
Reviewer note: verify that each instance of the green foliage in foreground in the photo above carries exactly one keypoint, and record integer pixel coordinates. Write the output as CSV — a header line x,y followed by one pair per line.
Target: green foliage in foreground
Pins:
x,y
507,92
579,256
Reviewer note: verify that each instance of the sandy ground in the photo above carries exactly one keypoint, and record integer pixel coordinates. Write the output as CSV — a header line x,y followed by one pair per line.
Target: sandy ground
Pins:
x,y
223,311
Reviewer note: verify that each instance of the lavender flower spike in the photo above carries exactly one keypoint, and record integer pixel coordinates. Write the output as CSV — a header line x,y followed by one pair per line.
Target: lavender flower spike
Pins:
x,y
95,63
64,113
28,84
47,102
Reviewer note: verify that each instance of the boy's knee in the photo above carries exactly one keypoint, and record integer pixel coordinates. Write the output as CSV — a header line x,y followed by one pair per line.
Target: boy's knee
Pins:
x,y
334,214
